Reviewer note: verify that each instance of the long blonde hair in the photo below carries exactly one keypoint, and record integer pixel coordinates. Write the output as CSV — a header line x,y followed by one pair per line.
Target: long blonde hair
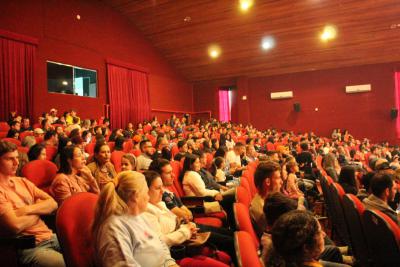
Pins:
x,y
115,195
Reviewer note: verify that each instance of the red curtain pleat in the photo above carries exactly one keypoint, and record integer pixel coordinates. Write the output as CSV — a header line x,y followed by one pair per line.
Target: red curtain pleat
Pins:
x,y
17,61
224,107
128,96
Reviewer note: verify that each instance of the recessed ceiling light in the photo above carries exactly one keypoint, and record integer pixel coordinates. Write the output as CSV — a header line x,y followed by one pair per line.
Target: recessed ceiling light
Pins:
x,y
328,33
187,19
214,51
267,42
78,17
245,5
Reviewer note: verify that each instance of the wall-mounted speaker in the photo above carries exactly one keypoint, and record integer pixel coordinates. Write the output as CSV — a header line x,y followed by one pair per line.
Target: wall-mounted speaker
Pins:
x,y
394,112
297,107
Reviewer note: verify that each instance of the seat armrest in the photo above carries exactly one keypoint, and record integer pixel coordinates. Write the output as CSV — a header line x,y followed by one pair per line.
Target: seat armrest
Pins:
x,y
196,201
19,242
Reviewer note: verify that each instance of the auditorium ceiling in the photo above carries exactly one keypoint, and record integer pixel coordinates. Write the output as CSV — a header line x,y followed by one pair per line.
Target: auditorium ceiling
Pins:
x,y
368,31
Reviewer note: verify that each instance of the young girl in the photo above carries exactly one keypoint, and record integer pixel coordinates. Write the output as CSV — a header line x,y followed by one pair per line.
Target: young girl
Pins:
x,y
217,169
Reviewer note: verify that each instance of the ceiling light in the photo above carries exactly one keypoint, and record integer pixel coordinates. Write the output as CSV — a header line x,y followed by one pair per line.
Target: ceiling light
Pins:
x,y
329,33
245,5
267,42
64,83
214,51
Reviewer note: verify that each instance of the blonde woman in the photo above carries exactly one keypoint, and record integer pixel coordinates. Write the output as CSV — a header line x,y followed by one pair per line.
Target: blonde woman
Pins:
x,y
122,235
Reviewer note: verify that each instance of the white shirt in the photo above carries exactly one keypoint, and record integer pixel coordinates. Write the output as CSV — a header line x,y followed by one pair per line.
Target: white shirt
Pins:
x,y
220,176
231,157
128,240
143,162
193,185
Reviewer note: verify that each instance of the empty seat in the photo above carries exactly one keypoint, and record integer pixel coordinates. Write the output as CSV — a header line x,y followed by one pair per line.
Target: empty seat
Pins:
x,y
246,253
243,222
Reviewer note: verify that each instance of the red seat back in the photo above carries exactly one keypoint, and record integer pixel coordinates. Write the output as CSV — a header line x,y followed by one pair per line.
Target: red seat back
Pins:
x,y
111,145
128,145
339,221
383,237
242,196
4,127
245,252
89,148
3,135
51,151
12,140
116,159
40,172
243,222
177,172
24,134
74,220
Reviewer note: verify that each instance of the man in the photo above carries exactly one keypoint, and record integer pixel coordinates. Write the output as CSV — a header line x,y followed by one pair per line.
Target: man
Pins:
x,y
305,161
183,149
26,125
233,157
53,115
21,204
161,143
51,138
71,116
383,191
144,160
267,179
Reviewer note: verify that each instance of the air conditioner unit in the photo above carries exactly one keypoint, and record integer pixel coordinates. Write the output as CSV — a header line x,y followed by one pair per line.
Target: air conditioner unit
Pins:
x,y
282,95
358,88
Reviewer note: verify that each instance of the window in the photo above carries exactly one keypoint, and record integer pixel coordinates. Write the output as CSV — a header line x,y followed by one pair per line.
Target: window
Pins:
x,y
67,79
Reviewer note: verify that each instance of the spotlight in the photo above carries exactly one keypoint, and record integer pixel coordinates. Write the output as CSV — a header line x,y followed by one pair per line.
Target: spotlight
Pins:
x,y
214,51
245,5
329,33
267,43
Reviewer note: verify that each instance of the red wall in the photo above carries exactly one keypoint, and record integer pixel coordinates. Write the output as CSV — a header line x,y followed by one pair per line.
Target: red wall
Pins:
x,y
364,114
101,33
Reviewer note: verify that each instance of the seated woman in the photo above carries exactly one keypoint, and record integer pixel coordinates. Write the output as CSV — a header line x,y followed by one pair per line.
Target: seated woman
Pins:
x,y
102,169
331,166
36,152
122,236
73,176
347,179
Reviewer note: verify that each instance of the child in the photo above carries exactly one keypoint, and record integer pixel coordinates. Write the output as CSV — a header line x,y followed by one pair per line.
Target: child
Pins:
x,y
217,169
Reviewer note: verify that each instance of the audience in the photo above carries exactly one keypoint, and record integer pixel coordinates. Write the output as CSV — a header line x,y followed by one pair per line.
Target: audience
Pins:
x,y
102,169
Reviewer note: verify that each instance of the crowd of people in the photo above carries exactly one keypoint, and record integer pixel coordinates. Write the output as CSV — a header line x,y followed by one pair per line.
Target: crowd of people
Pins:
x,y
139,220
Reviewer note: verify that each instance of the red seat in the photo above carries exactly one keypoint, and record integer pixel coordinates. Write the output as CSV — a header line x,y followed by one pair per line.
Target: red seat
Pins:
x,y
243,222
24,134
383,237
3,135
12,140
111,145
116,159
353,211
40,172
23,149
242,196
74,220
337,194
128,145
246,253
51,152
4,127
89,148
210,158
174,151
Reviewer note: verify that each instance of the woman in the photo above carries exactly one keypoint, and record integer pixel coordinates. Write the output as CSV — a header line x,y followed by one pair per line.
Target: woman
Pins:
x,y
347,179
73,176
297,237
128,162
122,236
63,141
331,166
102,169
36,152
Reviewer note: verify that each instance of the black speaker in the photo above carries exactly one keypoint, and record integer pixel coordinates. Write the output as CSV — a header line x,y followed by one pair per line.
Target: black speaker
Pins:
x,y
394,112
297,107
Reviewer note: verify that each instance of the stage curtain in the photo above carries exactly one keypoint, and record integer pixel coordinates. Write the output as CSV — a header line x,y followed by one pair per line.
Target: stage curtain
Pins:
x,y
224,105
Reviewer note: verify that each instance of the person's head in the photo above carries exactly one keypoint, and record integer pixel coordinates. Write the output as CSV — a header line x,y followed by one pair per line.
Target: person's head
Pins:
x,y
161,143
72,112
37,151
273,155
128,162
51,135
128,196
16,125
182,146
267,178
71,160
146,147
219,162
202,157
304,146
28,141
297,237
102,154
366,180
239,148
277,204
26,123
155,185
292,166
330,161
119,143
164,168
13,133
191,163
383,186
348,176
8,158
221,152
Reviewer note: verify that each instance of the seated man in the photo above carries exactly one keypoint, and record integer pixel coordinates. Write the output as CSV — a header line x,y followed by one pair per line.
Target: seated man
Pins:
x,y
383,190
21,204
144,159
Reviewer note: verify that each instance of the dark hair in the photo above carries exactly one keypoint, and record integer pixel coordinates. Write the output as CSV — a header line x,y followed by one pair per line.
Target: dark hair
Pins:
x,y
49,134
380,182
142,144
12,133
181,143
166,153
150,177
119,143
304,146
62,142
187,164
277,204
366,180
216,164
158,164
77,140
6,147
34,151
264,170
292,234
66,154
98,146
348,176
221,152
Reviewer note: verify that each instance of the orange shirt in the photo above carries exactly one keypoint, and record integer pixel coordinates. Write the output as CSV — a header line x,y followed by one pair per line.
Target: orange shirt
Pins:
x,y
63,186
23,193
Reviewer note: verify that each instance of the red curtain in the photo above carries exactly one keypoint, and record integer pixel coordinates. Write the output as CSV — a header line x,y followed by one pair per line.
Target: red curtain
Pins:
x,y
128,96
397,100
17,60
224,106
